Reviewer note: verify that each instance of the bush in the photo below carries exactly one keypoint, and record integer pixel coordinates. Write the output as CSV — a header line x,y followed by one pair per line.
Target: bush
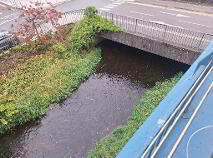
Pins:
x,y
26,92
85,31
22,48
90,12
60,49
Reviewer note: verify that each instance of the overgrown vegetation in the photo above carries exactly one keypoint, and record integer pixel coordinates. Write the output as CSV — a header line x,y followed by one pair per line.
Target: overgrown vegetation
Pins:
x,y
56,69
111,145
83,34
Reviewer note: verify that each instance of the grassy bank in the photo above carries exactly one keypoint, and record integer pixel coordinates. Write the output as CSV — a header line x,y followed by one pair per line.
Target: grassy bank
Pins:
x,y
48,71
111,145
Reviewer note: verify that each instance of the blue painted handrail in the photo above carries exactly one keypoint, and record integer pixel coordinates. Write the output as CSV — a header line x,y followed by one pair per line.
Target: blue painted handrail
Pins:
x,y
144,135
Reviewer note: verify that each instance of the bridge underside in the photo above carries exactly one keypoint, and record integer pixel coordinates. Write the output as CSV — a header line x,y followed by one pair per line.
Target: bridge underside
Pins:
x,y
156,47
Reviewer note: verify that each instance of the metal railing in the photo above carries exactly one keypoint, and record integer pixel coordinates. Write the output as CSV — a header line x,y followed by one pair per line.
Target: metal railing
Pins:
x,y
167,34
67,18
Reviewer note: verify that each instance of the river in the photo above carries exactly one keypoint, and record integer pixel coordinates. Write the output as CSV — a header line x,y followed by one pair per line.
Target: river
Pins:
x,y
101,103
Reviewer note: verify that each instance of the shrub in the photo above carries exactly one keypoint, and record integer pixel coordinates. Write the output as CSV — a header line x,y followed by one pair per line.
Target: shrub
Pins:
x,y
85,31
60,50
90,11
22,48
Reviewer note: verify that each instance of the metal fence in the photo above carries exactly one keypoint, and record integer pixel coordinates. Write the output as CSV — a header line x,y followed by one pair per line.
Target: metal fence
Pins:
x,y
165,33
168,34
67,18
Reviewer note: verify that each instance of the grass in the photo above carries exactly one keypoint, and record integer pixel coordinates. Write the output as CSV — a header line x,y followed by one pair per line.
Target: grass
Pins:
x,y
58,66
111,145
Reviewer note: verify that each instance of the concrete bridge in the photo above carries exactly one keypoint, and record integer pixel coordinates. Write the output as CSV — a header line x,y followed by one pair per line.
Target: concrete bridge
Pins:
x,y
172,42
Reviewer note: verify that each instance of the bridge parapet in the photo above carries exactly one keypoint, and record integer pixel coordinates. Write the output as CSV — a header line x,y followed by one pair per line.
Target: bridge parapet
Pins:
x,y
188,43
192,40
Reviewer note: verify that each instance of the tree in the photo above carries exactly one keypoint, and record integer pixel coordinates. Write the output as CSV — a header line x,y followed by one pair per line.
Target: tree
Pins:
x,y
33,16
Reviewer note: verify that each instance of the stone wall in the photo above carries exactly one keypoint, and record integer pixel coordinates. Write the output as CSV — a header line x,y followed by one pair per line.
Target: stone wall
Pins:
x,y
152,46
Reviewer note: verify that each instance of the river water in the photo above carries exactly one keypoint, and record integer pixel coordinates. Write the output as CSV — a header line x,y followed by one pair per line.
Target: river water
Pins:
x,y
101,103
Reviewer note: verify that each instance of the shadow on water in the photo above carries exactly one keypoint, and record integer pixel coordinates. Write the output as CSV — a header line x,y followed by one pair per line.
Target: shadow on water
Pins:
x,y
100,104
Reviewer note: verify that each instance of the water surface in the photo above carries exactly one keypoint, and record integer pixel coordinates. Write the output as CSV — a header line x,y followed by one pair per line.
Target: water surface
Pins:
x,y
101,103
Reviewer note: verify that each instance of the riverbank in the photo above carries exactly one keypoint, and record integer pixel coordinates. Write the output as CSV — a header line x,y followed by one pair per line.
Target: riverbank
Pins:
x,y
111,145
47,72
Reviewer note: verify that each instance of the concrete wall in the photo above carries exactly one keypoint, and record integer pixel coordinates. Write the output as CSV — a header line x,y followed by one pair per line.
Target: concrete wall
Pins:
x,y
152,46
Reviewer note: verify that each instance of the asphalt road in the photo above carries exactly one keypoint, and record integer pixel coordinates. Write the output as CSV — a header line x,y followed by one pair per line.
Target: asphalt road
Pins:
x,y
183,18
7,17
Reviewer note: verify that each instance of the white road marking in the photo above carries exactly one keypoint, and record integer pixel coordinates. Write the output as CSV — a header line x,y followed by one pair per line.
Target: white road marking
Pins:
x,y
177,15
181,15
118,3
168,13
163,23
194,23
113,5
141,13
104,9
108,7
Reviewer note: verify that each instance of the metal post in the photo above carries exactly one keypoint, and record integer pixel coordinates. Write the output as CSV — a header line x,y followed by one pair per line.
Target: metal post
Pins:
x,y
136,23
164,34
201,40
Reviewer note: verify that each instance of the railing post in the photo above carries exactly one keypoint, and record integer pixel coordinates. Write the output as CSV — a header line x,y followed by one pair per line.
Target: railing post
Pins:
x,y
201,40
65,15
136,23
164,33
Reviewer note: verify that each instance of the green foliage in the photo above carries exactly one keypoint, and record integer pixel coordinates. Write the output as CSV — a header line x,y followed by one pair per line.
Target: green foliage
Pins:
x,y
26,93
68,29
111,145
60,49
51,76
90,11
22,48
85,31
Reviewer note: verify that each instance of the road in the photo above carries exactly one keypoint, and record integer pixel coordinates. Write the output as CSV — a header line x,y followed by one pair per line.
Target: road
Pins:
x,y
9,17
174,14
182,18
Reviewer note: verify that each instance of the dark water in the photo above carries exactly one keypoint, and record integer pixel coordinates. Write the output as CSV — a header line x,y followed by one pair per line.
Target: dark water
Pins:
x,y
100,104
